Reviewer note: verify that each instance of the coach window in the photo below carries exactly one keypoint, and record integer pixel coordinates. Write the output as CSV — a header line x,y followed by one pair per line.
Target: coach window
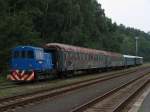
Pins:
x,y
86,56
78,56
82,56
89,57
94,57
69,55
66,55
75,56
72,57
103,58
99,57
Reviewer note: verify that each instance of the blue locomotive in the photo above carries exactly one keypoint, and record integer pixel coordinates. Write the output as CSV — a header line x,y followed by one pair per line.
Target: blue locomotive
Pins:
x,y
31,58
28,60
30,63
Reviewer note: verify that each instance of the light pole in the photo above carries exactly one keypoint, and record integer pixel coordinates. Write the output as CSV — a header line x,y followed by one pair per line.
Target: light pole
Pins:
x,y
136,39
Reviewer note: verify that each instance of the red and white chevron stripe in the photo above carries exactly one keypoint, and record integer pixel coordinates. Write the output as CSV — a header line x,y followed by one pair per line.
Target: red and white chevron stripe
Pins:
x,y
21,76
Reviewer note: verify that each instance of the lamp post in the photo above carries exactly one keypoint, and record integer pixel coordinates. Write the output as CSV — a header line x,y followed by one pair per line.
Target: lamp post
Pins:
x,y
136,39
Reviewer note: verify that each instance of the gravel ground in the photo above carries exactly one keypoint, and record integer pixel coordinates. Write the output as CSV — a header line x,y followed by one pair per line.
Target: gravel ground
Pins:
x,y
145,107
70,100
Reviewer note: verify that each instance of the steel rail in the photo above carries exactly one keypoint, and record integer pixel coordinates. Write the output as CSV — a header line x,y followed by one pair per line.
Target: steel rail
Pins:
x,y
25,99
100,99
14,84
109,74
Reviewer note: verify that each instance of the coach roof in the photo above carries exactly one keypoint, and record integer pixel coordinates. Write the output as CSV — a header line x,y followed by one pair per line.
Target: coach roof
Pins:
x,y
64,47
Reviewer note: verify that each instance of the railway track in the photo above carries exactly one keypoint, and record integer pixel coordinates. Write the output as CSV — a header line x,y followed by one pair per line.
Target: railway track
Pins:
x,y
12,102
37,87
7,85
116,99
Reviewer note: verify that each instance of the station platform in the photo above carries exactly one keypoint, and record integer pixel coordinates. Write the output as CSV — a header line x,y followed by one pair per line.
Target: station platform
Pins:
x,y
143,103
145,107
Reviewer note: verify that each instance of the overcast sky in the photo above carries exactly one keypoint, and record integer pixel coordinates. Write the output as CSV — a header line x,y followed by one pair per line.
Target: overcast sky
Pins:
x,y
133,13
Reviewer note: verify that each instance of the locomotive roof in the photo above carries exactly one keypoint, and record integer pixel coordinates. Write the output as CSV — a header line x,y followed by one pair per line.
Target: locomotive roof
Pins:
x,y
139,57
129,56
26,48
64,47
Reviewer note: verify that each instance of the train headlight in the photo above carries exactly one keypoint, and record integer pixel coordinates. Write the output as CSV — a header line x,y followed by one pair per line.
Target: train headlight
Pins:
x,y
40,62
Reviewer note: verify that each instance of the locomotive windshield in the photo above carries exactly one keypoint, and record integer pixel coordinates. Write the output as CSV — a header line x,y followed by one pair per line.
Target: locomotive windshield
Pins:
x,y
23,54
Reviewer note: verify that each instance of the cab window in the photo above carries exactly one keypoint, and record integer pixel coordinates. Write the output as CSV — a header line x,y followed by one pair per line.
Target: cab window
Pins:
x,y
23,54
16,54
30,54
39,55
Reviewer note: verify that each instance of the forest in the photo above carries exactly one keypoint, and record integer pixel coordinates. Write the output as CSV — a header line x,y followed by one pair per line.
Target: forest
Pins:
x,y
76,22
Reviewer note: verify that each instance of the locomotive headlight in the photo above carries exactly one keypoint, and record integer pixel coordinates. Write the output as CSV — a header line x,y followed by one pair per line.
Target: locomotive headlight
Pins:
x,y
40,62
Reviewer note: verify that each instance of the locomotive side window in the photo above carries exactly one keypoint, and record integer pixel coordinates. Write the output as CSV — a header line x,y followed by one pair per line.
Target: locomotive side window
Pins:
x,y
30,54
16,54
23,54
